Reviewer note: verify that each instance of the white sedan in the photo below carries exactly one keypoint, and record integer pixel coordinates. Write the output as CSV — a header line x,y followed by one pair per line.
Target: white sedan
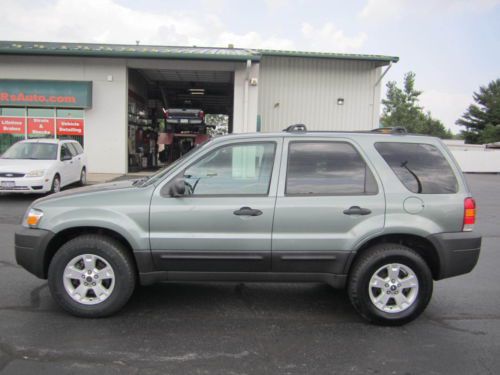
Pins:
x,y
41,166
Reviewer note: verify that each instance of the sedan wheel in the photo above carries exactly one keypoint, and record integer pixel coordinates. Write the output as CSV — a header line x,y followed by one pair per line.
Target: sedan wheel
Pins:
x,y
56,185
83,177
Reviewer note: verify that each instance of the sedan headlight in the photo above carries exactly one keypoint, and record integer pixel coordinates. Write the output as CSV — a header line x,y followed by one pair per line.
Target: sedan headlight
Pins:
x,y
36,173
32,218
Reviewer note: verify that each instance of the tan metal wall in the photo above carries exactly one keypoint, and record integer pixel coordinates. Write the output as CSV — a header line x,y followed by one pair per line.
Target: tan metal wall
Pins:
x,y
305,90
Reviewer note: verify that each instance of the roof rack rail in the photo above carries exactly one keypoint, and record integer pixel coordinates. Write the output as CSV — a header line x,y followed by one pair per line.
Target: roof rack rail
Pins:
x,y
391,130
299,128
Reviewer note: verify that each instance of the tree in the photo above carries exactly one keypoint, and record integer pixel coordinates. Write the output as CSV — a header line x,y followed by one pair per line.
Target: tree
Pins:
x,y
482,119
401,109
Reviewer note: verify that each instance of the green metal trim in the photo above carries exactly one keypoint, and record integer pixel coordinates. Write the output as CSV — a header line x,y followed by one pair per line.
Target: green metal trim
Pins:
x,y
125,51
329,55
170,52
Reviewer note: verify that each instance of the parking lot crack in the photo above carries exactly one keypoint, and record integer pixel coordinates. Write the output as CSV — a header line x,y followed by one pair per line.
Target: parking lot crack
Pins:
x,y
446,325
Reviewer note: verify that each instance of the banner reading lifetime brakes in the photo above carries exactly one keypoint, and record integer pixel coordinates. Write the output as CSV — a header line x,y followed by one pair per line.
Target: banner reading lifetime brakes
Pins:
x,y
12,125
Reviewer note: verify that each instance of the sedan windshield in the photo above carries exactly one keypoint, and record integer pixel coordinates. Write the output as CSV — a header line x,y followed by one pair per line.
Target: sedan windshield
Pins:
x,y
32,151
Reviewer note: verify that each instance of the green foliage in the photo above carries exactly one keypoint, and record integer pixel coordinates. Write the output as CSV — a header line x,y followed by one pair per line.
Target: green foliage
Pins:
x,y
482,119
401,109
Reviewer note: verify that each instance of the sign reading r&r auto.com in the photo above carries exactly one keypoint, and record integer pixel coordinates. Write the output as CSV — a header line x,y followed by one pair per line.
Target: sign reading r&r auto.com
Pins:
x,y
41,93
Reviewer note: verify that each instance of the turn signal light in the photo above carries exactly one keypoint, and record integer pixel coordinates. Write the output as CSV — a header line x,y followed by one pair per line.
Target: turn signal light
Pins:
x,y
33,218
469,214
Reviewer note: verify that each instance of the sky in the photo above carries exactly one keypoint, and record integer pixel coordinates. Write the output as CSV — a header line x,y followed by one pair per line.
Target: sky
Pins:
x,y
453,46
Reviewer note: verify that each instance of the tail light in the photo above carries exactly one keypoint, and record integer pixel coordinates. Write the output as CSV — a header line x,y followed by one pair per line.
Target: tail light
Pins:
x,y
469,214
201,115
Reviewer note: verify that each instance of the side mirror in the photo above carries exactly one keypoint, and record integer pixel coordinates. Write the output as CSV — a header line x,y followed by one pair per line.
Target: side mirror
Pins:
x,y
66,157
177,188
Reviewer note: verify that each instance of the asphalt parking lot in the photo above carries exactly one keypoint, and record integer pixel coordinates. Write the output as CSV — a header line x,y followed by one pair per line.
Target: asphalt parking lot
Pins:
x,y
198,328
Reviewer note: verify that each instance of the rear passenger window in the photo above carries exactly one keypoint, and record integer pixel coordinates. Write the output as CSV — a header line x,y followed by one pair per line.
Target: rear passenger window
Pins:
x,y
327,168
422,168
78,147
73,149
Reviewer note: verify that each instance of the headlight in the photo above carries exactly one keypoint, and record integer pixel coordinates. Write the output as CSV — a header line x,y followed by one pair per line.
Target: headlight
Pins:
x,y
32,218
36,173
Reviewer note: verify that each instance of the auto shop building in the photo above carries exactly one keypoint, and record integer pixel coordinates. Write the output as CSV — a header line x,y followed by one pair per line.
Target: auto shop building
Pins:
x,y
108,96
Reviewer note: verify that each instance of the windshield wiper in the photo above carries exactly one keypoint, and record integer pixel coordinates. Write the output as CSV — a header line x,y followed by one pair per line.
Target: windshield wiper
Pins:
x,y
419,184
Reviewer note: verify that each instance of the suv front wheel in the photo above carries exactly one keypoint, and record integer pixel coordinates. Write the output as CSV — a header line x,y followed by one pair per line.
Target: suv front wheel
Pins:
x,y
92,276
390,284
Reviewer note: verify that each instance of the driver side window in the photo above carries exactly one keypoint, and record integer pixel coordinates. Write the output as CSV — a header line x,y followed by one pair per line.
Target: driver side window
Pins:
x,y
238,169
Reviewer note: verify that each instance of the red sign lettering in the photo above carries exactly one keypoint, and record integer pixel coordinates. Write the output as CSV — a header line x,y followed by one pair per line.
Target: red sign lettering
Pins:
x,y
12,125
41,126
21,97
70,126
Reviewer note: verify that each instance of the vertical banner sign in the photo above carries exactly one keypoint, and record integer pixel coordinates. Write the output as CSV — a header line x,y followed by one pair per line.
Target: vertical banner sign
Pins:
x,y
69,126
12,125
41,126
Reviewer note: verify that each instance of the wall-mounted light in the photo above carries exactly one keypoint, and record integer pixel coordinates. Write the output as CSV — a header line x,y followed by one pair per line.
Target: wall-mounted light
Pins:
x,y
340,101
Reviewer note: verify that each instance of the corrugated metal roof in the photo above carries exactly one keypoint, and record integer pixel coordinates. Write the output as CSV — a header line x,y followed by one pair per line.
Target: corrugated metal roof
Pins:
x,y
171,52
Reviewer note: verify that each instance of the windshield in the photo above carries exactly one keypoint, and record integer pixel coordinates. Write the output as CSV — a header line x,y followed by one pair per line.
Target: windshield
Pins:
x,y
162,172
31,150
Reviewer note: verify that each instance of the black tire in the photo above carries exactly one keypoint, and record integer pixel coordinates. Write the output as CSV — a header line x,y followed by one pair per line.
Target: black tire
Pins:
x,y
56,184
114,253
83,177
367,265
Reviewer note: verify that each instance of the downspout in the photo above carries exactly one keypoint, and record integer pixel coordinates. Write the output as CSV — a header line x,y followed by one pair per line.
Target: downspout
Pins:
x,y
375,88
245,96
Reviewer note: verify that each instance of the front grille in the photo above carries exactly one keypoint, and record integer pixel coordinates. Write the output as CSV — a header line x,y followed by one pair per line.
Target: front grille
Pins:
x,y
11,174
14,188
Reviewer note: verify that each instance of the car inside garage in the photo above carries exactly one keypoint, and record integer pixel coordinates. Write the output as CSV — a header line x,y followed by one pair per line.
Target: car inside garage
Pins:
x,y
170,111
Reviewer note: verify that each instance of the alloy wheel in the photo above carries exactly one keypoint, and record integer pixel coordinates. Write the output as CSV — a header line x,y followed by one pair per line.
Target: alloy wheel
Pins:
x,y
393,288
89,279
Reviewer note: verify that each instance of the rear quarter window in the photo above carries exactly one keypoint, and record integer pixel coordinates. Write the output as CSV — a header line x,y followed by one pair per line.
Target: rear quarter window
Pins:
x,y
421,167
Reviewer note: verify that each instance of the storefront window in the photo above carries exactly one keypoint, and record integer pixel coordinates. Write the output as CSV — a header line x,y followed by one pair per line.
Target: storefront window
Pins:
x,y
69,113
41,112
17,123
13,111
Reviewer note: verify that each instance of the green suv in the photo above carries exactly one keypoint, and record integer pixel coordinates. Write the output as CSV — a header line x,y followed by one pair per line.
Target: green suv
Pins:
x,y
381,215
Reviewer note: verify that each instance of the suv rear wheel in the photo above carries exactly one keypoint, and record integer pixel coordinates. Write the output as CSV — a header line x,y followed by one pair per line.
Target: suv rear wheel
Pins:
x,y
390,284
92,276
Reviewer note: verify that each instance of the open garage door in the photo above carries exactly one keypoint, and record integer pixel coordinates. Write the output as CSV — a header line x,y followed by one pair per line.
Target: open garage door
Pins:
x,y
171,111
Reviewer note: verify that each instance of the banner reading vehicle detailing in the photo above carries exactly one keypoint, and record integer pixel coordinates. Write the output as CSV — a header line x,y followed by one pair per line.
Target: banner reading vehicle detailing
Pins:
x,y
69,126
12,125
41,126
33,93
